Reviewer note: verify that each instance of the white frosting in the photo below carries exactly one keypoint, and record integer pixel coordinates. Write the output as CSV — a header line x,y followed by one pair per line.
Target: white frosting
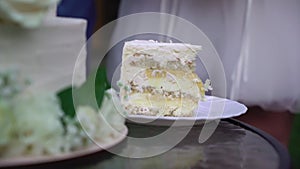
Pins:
x,y
25,13
161,52
47,54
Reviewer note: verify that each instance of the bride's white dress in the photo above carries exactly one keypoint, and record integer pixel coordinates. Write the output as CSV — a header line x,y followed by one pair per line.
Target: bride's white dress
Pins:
x,y
258,42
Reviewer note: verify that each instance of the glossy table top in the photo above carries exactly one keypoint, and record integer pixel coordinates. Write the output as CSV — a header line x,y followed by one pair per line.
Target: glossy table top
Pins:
x,y
231,146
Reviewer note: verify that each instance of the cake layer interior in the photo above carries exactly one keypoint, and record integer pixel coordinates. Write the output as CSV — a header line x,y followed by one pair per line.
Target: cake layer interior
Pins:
x,y
164,93
147,61
158,105
159,78
170,82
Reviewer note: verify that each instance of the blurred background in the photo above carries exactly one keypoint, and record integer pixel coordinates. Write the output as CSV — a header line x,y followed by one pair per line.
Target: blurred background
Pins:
x,y
100,12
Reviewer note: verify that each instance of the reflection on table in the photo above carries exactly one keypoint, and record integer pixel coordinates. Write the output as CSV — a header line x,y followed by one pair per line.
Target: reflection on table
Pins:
x,y
229,147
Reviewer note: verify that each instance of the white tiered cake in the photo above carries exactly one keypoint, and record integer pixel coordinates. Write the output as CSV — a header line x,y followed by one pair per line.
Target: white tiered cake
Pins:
x,y
35,119
46,54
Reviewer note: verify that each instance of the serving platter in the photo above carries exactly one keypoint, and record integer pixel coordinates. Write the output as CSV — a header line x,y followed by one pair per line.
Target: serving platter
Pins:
x,y
27,161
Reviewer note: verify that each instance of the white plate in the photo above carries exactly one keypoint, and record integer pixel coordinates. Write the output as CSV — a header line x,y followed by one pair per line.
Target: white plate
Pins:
x,y
208,110
28,161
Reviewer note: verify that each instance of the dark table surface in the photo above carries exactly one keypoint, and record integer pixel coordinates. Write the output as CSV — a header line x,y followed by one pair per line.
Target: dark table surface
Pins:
x,y
233,145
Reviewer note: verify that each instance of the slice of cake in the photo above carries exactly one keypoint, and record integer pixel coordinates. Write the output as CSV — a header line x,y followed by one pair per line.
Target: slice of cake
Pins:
x,y
159,79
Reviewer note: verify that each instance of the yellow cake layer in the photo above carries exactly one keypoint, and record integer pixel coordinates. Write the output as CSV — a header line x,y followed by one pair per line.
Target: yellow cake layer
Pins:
x,y
157,105
168,80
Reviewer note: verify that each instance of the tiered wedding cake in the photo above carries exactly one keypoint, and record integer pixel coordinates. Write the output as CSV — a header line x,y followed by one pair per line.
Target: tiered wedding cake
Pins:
x,y
40,45
44,48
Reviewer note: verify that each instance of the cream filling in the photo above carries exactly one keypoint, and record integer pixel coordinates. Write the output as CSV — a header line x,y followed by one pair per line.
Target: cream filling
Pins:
x,y
158,92
170,82
157,105
146,61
